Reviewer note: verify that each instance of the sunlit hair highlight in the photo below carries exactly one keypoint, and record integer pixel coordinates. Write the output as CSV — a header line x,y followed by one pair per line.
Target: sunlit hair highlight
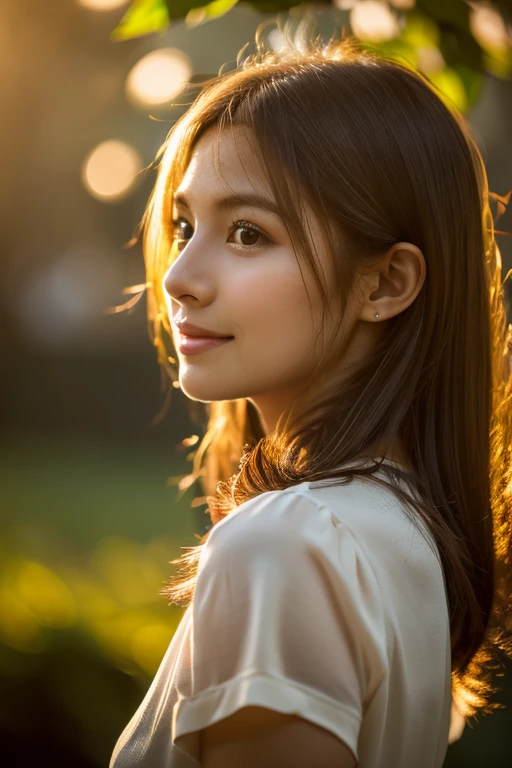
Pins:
x,y
381,158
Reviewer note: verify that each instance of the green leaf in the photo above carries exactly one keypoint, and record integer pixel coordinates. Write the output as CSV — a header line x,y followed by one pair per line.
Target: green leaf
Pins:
x,y
142,18
451,87
213,10
456,43
420,31
178,9
274,6
398,49
458,46
431,23
454,12
472,82
498,62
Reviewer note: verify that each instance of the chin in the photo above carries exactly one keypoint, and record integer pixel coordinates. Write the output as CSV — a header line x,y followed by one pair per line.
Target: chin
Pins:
x,y
208,392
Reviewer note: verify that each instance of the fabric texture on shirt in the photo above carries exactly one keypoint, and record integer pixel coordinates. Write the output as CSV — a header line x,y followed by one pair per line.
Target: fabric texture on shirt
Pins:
x,y
326,602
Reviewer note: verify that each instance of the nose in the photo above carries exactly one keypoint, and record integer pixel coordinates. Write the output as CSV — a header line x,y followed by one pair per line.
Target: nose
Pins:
x,y
166,282
184,288
175,279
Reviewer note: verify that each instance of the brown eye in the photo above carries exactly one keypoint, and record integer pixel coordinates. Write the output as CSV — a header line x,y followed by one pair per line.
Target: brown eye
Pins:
x,y
247,234
255,237
249,231
178,226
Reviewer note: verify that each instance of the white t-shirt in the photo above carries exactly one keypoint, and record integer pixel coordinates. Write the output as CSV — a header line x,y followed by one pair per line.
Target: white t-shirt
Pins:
x,y
323,602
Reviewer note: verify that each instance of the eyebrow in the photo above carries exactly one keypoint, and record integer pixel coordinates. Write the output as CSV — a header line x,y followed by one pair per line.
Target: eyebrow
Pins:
x,y
253,199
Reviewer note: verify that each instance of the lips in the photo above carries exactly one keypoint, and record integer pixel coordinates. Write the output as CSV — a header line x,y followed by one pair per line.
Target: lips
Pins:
x,y
203,337
185,328
192,345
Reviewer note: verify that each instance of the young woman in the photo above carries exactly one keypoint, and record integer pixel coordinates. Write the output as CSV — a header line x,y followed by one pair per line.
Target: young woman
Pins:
x,y
320,252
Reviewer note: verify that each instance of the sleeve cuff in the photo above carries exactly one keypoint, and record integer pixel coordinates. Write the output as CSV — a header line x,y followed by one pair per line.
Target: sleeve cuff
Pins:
x,y
191,715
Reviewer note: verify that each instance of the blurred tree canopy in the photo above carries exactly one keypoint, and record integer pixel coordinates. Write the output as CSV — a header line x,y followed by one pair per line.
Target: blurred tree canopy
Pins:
x,y
453,43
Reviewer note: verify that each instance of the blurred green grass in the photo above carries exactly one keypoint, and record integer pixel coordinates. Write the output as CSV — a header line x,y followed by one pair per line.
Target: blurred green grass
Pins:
x,y
87,530
87,533
77,491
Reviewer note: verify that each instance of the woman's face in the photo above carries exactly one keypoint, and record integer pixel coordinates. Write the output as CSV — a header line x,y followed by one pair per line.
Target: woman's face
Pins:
x,y
241,280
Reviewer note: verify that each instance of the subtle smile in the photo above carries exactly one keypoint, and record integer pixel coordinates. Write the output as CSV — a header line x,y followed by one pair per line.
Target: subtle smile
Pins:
x,y
192,345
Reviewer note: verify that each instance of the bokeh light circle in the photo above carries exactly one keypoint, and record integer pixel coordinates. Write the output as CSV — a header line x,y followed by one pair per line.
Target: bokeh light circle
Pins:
x,y
158,77
102,5
373,20
110,170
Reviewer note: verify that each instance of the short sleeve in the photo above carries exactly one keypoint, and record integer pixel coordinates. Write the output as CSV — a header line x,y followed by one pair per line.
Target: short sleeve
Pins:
x,y
286,615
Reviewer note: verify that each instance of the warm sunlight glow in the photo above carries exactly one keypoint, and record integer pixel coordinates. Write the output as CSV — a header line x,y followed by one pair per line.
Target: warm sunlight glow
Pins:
x,y
110,170
19,628
148,645
403,5
488,27
102,5
131,576
158,77
373,20
344,5
430,59
277,40
46,595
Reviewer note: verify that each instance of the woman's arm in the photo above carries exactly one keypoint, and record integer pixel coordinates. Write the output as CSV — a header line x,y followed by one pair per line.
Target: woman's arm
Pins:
x,y
256,737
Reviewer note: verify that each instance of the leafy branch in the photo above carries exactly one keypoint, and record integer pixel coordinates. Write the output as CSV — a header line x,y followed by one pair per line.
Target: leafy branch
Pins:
x,y
454,43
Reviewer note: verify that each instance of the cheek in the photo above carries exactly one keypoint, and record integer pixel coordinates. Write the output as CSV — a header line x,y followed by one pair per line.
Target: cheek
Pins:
x,y
275,316
275,330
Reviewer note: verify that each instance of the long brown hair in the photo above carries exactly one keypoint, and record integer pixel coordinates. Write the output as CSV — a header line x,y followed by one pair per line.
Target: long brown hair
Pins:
x,y
381,157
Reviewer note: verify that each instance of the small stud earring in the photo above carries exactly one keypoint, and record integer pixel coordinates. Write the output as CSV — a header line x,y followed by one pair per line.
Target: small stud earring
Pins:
x,y
376,314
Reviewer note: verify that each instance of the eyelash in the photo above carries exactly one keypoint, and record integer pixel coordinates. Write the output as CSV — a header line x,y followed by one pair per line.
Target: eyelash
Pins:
x,y
234,226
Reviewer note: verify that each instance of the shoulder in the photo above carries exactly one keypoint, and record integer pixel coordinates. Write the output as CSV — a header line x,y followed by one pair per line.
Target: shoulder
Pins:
x,y
292,515
315,511
288,538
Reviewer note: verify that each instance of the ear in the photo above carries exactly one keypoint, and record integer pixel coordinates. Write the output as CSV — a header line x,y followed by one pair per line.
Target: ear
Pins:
x,y
394,283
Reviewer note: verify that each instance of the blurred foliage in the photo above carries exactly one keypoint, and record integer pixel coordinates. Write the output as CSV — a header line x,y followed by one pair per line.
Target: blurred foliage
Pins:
x,y
83,627
453,43
73,571
113,598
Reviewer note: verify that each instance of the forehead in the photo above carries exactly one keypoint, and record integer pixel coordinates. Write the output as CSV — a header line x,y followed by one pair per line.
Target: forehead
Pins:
x,y
225,161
